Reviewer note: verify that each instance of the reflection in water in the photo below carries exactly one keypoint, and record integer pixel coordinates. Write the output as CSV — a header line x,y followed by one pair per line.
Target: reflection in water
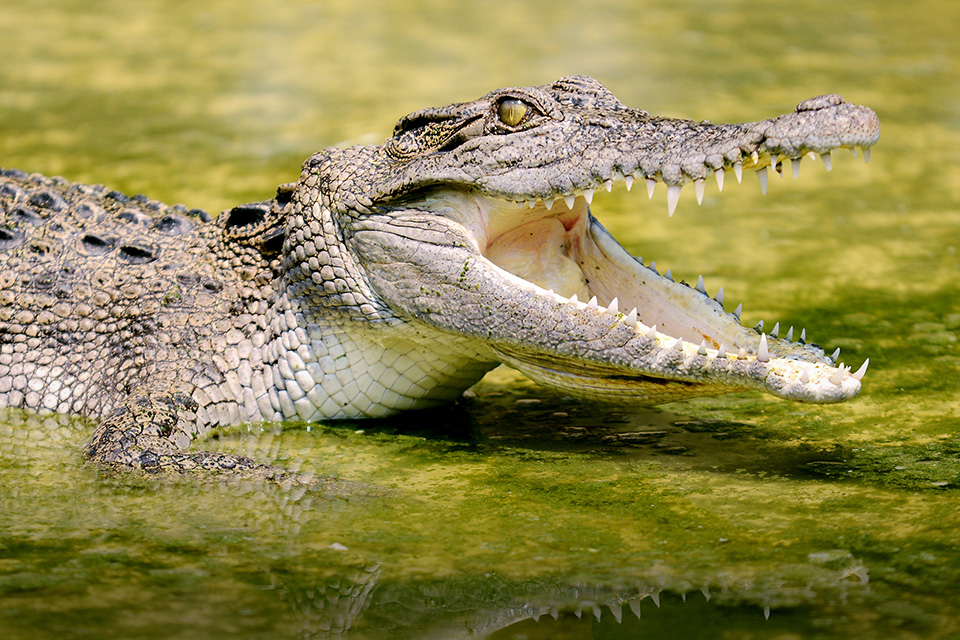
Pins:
x,y
309,561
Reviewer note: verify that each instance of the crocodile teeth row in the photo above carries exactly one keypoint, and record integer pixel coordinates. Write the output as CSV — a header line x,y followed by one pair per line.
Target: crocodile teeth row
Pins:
x,y
674,190
679,345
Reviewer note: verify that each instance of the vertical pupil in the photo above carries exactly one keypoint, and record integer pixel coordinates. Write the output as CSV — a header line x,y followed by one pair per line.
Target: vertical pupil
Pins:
x,y
511,112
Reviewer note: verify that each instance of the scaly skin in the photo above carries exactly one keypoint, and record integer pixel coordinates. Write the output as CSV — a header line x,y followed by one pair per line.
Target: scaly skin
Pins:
x,y
392,277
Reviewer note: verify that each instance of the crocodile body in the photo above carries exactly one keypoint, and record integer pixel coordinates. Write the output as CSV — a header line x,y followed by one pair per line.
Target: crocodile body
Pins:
x,y
392,277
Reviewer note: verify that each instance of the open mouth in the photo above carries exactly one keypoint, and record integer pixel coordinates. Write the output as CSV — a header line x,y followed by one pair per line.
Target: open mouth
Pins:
x,y
560,250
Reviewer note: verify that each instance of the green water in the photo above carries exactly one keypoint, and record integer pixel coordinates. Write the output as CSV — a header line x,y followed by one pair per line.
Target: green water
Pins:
x,y
797,521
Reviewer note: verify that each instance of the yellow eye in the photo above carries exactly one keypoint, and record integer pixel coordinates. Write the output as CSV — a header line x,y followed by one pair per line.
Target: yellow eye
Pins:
x,y
512,111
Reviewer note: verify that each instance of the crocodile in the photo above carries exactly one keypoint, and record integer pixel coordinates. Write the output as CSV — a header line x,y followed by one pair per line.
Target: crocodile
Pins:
x,y
393,277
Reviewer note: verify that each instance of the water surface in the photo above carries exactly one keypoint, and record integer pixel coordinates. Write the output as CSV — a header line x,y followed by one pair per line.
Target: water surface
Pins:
x,y
518,514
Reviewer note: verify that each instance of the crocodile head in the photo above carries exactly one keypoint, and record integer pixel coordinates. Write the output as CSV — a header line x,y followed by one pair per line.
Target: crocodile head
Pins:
x,y
474,223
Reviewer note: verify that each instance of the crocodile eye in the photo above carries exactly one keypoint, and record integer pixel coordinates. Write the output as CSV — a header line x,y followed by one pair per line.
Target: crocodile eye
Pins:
x,y
512,112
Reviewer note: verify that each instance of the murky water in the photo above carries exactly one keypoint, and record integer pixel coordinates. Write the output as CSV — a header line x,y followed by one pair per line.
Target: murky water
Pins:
x,y
518,514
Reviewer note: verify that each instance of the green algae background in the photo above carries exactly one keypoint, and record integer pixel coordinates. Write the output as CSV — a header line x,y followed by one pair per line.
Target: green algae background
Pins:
x,y
520,514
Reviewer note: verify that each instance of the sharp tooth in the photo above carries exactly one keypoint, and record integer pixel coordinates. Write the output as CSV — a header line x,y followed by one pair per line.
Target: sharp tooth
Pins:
x,y
632,316
651,185
593,303
608,185
738,171
652,333
653,266
837,377
673,197
614,306
836,354
827,161
629,181
678,345
803,335
862,370
795,164
701,287
776,330
532,204
569,201
573,298
722,351
790,334
759,326
668,274
763,354
762,176
755,157
866,154
549,204
811,155
698,187
743,353
719,296
617,610
853,150
718,174
588,196
703,348
738,311
804,376
777,165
